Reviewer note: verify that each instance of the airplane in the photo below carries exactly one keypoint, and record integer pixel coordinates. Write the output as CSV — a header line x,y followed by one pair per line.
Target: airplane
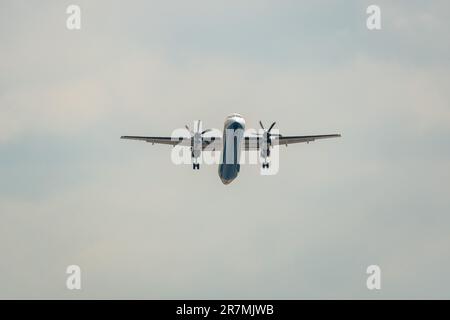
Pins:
x,y
232,141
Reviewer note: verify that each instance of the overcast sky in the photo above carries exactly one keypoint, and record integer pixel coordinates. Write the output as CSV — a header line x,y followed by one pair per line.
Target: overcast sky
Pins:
x,y
72,192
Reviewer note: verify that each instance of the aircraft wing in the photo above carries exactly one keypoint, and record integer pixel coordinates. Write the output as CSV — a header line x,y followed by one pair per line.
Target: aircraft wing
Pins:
x,y
208,142
253,143
215,143
285,140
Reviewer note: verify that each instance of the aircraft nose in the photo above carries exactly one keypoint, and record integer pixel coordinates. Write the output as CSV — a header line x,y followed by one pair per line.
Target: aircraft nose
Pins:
x,y
226,181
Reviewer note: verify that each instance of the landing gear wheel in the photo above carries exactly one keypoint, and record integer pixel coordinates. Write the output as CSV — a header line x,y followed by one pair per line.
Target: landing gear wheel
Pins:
x,y
265,166
196,166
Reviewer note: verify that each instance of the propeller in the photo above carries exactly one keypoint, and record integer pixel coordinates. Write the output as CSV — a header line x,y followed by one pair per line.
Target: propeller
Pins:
x,y
197,136
267,133
266,141
270,128
199,125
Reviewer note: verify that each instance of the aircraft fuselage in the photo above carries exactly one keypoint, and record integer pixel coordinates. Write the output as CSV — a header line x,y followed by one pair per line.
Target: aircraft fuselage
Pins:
x,y
233,134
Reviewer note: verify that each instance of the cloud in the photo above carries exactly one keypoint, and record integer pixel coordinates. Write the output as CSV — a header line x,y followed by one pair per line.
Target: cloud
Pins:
x,y
140,227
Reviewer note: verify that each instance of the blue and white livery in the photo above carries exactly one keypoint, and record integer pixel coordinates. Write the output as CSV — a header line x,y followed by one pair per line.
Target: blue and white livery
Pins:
x,y
231,143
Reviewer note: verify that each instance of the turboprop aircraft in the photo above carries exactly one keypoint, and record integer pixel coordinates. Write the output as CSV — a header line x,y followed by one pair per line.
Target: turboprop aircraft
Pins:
x,y
231,143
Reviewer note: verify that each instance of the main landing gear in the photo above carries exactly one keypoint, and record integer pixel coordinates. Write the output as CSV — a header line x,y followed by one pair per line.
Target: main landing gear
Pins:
x,y
265,165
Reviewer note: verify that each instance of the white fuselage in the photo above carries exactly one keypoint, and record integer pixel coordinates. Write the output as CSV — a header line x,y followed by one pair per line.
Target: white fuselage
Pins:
x,y
233,134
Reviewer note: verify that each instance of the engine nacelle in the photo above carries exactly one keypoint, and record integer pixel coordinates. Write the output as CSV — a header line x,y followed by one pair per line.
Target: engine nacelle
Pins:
x,y
196,149
265,152
265,145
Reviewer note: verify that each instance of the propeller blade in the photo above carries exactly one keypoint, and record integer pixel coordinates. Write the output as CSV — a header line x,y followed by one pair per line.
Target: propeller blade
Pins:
x,y
260,123
205,131
199,124
271,127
